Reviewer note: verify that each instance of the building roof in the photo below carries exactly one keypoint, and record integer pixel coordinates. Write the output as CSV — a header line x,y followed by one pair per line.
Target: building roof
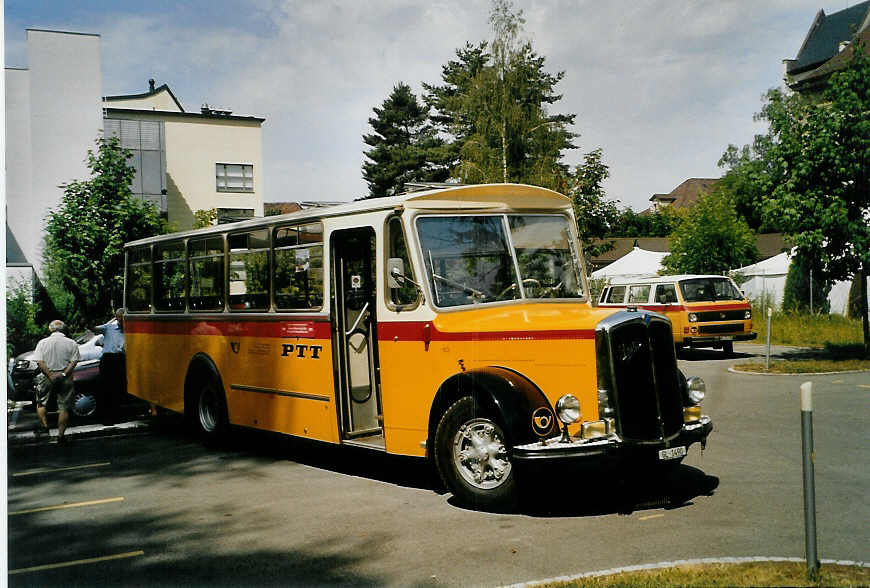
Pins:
x,y
825,35
687,193
152,91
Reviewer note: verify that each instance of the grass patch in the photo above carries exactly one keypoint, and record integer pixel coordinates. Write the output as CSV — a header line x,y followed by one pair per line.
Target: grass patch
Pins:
x,y
806,366
813,330
739,574
831,358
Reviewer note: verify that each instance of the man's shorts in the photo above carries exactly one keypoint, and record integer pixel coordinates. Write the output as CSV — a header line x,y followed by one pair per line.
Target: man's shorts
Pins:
x,y
62,389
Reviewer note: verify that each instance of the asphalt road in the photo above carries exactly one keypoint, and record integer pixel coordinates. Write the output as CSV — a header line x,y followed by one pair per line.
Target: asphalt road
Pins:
x,y
156,508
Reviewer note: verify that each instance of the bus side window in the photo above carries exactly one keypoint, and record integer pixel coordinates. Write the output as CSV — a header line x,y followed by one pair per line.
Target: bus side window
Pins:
x,y
603,298
666,294
297,273
249,270
639,294
206,273
406,294
169,276
139,279
616,295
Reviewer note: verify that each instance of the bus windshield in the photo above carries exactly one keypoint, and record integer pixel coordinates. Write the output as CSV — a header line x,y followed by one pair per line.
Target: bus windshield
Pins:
x,y
489,258
709,290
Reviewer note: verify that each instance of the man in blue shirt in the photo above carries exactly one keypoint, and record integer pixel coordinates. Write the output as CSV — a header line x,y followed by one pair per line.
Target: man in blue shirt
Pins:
x,y
113,368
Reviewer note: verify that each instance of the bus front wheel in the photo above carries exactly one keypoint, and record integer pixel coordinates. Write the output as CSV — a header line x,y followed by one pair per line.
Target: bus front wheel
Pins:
x,y
472,458
728,348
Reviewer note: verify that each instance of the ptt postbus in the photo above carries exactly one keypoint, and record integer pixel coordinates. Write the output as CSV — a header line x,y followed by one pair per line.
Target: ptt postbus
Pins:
x,y
451,323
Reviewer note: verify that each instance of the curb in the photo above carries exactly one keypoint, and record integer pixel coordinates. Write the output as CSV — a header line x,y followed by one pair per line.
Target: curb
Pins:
x,y
80,432
733,371
682,562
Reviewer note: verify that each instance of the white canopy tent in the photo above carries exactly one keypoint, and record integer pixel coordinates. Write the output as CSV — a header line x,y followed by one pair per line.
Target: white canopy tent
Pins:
x,y
766,283
637,263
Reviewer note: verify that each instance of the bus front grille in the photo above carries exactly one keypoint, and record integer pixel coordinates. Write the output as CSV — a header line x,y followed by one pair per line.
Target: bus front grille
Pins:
x,y
643,379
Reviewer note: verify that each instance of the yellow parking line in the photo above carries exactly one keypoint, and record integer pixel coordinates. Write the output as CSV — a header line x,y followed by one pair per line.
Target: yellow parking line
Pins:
x,y
77,562
648,517
70,505
49,471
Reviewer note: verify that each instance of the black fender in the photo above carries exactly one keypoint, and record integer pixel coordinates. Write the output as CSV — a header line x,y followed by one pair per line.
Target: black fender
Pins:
x,y
200,366
511,398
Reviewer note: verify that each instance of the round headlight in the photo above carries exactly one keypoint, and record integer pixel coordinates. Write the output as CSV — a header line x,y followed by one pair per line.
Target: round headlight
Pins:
x,y
568,409
697,389
693,318
747,315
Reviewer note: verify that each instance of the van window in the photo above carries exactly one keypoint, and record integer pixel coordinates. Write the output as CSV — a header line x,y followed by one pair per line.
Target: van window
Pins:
x,y
666,294
639,294
617,295
709,290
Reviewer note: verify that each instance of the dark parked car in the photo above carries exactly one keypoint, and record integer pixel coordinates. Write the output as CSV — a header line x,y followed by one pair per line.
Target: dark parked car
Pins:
x,y
86,375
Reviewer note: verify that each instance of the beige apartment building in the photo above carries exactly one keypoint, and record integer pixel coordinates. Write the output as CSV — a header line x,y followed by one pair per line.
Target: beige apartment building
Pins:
x,y
189,161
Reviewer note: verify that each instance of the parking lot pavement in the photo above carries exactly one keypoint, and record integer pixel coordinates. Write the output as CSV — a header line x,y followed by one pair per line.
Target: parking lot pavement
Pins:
x,y
23,423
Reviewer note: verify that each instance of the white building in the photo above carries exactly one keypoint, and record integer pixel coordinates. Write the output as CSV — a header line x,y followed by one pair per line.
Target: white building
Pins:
x,y
55,110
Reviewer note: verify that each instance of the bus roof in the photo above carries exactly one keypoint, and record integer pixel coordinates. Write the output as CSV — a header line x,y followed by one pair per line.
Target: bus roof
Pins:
x,y
661,279
483,197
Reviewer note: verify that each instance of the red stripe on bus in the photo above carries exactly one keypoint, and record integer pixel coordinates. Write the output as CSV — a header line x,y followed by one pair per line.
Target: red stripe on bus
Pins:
x,y
231,328
416,331
677,307
387,331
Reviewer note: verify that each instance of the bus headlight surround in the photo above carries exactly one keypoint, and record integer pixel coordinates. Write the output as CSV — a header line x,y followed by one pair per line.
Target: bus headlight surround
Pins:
x,y
693,318
697,389
568,409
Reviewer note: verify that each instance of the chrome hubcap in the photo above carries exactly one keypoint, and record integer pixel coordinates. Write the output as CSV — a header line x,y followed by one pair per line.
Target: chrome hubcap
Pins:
x,y
479,454
84,404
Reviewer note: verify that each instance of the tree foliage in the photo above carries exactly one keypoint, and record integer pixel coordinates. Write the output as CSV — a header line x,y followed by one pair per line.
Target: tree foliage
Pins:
x,y
639,224
819,156
204,218
806,286
85,235
404,145
493,108
710,238
22,329
594,212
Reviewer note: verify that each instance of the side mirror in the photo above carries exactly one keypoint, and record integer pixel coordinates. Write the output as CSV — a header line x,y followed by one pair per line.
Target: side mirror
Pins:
x,y
395,272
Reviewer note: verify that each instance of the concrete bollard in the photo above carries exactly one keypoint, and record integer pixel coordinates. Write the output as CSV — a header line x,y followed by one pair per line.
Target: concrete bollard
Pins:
x,y
809,481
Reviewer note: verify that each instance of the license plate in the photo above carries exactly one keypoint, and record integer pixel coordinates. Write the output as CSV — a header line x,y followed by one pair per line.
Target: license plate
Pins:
x,y
727,338
672,453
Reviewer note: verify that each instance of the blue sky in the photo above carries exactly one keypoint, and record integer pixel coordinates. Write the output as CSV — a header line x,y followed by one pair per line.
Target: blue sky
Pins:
x,y
661,86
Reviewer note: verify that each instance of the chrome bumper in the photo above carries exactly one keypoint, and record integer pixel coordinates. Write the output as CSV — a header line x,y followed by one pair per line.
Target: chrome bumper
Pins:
x,y
609,447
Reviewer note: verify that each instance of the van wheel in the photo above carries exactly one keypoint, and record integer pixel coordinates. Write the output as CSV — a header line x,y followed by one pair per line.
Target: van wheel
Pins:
x,y
728,348
211,412
471,455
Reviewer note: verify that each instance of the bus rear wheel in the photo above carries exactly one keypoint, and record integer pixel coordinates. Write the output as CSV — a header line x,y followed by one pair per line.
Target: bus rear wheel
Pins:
x,y
211,413
471,455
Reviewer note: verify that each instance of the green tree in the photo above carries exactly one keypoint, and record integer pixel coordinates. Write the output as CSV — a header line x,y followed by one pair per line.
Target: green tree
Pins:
x,y
204,218
709,238
629,223
820,159
22,329
494,107
85,235
799,291
595,214
747,179
404,145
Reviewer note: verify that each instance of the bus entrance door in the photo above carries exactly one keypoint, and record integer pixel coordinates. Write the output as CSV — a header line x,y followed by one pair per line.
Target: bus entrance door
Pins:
x,y
353,278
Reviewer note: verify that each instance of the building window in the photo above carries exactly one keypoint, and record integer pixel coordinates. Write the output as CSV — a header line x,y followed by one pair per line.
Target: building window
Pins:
x,y
232,215
234,177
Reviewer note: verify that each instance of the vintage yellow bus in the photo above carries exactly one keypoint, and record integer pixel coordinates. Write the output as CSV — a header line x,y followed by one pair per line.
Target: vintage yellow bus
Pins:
x,y
704,310
451,323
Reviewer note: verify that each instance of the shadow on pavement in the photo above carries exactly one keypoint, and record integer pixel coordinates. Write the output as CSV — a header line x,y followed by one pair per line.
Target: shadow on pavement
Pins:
x,y
691,354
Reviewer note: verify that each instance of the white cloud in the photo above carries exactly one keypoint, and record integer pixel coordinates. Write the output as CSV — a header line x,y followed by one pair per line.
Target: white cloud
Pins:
x,y
663,87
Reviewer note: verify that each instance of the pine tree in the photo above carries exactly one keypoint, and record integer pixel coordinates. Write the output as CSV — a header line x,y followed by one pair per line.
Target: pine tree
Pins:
x,y
402,145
